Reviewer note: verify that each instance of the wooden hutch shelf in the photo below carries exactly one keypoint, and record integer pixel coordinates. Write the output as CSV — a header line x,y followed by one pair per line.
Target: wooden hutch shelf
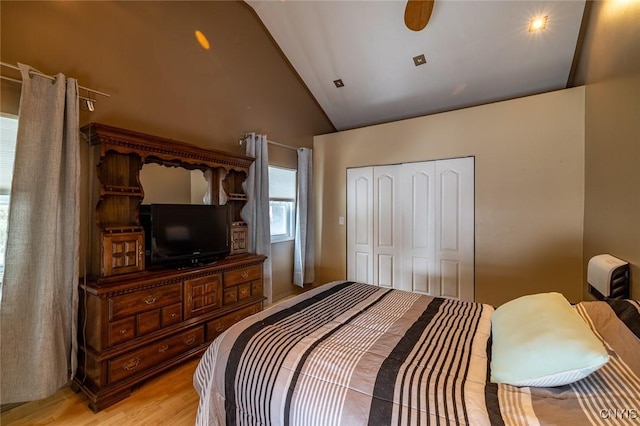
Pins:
x,y
135,323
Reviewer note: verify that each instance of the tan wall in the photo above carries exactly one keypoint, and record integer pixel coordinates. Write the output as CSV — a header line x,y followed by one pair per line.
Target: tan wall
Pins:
x,y
529,187
161,81
610,68
9,97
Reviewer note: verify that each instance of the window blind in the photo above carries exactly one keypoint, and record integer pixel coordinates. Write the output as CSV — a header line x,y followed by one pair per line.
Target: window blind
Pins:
x,y
8,131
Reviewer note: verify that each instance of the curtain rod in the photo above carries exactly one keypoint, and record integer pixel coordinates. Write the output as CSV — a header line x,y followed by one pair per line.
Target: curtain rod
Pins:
x,y
38,73
15,80
281,145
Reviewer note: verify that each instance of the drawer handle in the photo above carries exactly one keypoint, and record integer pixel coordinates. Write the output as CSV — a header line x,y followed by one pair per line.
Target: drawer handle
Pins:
x,y
123,331
150,299
173,315
245,275
163,349
219,326
131,364
189,340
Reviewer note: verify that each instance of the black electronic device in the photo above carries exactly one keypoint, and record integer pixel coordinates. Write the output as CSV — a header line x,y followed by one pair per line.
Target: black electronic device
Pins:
x,y
185,234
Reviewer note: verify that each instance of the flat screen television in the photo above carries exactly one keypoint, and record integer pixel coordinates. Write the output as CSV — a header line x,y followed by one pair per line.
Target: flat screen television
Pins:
x,y
185,234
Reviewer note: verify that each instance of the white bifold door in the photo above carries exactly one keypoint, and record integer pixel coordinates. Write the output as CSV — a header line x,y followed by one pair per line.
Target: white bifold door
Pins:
x,y
411,226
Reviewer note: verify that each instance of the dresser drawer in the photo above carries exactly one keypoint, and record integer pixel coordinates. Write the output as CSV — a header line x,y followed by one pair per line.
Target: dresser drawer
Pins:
x,y
256,288
244,275
244,291
144,300
150,356
122,330
218,325
171,314
230,295
148,322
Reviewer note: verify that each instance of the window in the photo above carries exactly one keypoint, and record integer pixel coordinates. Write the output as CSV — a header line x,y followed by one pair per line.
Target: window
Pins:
x,y
8,131
282,203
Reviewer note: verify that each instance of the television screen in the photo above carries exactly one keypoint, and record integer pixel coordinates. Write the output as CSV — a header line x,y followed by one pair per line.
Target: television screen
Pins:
x,y
186,233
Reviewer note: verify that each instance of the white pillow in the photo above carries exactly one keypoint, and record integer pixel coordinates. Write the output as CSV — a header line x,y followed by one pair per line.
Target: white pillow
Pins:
x,y
540,340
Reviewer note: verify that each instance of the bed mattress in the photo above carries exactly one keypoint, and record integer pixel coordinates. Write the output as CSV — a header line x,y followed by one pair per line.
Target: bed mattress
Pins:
x,y
349,353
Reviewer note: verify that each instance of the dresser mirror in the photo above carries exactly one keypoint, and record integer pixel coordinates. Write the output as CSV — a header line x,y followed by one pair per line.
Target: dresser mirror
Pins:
x,y
172,185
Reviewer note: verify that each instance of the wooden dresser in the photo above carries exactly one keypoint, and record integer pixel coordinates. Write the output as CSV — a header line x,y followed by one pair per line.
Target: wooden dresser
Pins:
x,y
136,322
132,327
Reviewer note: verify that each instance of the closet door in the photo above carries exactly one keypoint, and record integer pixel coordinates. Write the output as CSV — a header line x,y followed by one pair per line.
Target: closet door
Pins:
x,y
454,242
411,226
418,185
360,224
387,226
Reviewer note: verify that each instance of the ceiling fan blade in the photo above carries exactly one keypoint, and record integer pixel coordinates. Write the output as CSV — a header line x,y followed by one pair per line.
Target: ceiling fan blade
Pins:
x,y
417,14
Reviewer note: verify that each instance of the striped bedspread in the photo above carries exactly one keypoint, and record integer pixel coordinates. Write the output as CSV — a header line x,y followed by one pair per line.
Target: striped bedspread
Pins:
x,y
353,354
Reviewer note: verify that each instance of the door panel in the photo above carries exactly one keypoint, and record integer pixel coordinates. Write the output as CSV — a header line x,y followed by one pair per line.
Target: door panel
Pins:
x,y
449,210
387,247
421,199
385,270
450,278
418,196
385,194
363,201
360,224
363,264
420,275
455,227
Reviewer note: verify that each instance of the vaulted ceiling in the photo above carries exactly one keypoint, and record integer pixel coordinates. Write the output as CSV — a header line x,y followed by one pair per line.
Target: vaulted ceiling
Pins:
x,y
475,52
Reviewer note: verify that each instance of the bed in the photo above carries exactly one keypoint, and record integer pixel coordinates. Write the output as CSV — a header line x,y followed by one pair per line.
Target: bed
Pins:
x,y
348,353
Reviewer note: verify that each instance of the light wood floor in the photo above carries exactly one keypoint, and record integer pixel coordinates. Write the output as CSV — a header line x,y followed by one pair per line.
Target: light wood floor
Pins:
x,y
168,399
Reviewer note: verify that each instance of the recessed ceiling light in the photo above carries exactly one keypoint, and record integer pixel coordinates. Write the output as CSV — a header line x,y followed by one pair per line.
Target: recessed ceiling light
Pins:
x,y
338,83
538,24
419,60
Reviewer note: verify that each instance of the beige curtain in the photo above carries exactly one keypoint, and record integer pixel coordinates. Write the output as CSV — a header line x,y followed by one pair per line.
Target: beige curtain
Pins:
x,y
256,211
39,289
303,252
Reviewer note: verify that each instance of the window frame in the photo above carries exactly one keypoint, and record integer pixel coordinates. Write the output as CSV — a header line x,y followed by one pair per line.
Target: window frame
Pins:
x,y
5,200
290,235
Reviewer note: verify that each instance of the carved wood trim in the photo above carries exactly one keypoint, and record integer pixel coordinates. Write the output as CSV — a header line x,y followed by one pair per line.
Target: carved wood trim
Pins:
x,y
179,279
233,268
160,283
125,284
161,150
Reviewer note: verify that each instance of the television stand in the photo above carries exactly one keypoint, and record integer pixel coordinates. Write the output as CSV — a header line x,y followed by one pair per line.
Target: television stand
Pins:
x,y
138,326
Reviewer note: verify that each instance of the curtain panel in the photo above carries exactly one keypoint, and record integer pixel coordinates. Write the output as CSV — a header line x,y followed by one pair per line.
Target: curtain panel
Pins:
x,y
256,211
303,252
39,291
